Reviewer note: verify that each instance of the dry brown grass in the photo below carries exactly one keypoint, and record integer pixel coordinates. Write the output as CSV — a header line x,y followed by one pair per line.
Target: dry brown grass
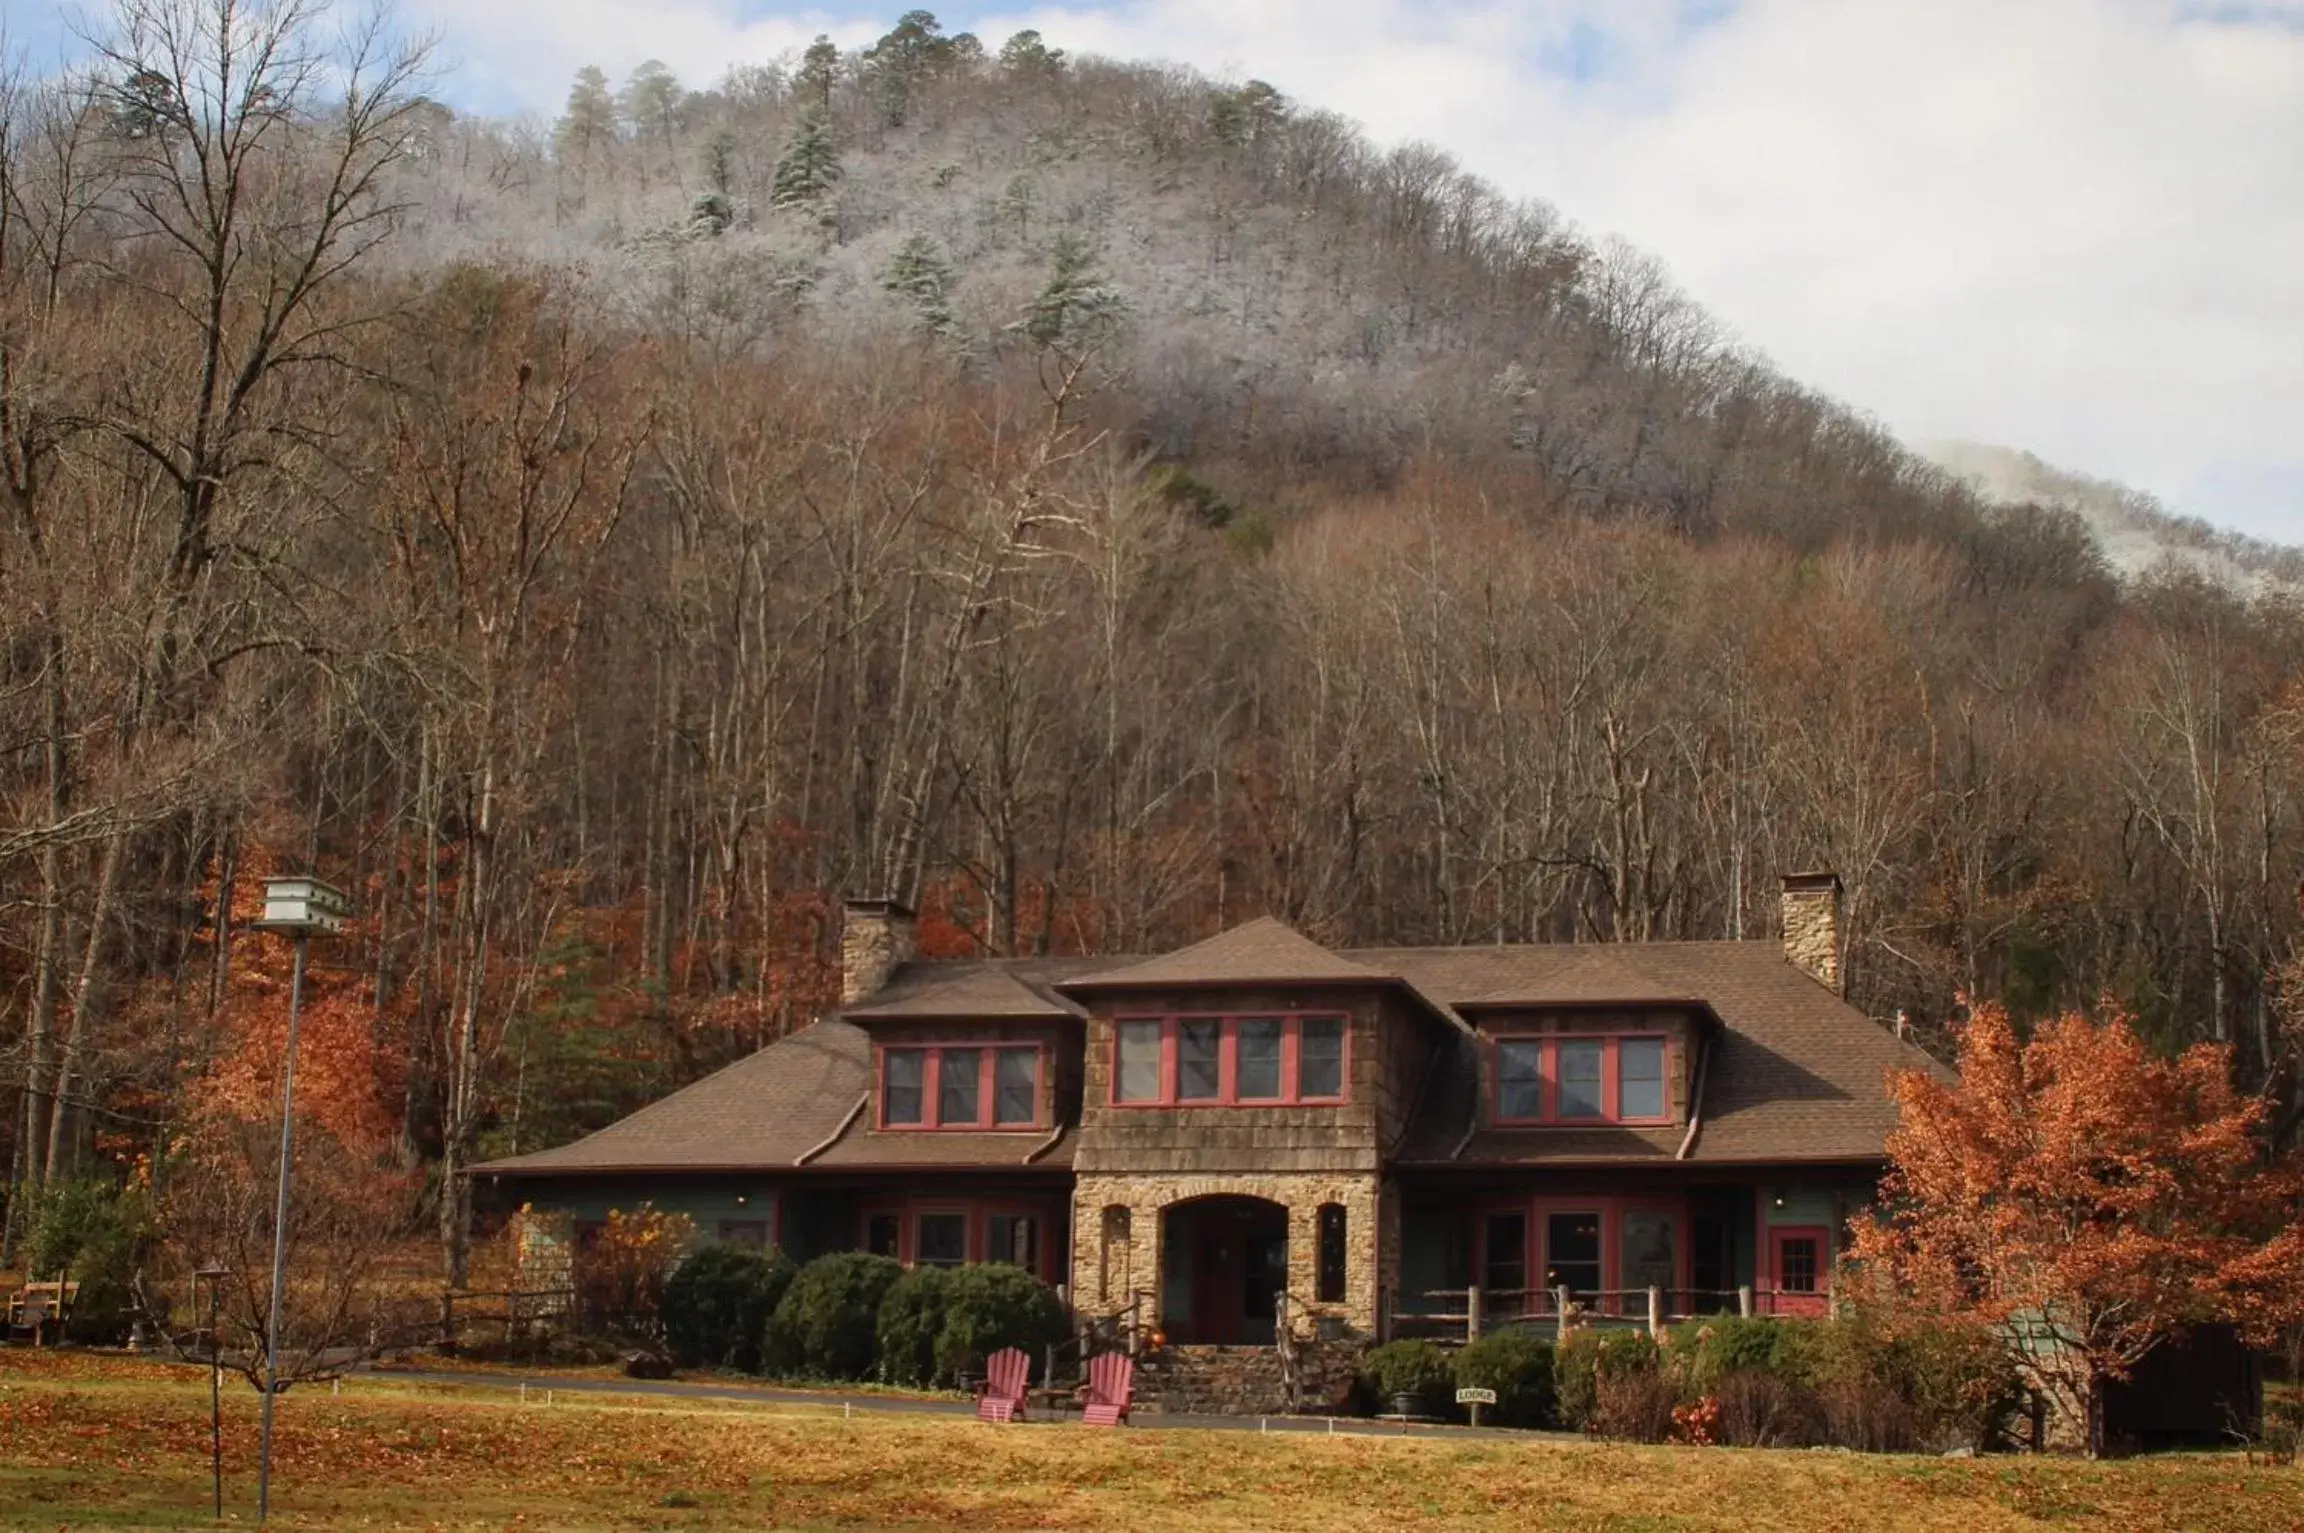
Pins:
x,y
84,1443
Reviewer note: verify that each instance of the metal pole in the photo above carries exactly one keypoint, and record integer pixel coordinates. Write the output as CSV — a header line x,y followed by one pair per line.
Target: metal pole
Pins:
x,y
216,1394
280,1233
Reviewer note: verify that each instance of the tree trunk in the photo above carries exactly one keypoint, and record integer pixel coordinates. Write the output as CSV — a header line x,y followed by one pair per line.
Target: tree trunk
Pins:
x,y
70,1061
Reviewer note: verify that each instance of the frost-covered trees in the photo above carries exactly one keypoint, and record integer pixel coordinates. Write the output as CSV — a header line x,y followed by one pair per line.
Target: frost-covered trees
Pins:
x,y
809,165
919,274
1078,306
650,101
1241,117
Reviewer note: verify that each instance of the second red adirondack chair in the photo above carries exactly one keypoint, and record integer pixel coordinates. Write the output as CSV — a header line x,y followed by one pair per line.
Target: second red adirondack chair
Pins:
x,y
1007,1373
1111,1388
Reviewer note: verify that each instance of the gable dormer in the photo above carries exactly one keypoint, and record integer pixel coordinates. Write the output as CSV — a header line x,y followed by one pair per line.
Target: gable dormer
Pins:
x,y
970,1049
1255,1041
1627,1063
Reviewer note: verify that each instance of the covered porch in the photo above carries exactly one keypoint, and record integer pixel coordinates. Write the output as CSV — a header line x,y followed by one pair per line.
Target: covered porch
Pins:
x,y
1615,1248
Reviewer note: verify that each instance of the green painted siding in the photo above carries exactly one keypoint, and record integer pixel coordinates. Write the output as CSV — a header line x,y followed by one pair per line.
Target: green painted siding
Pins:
x,y
709,1203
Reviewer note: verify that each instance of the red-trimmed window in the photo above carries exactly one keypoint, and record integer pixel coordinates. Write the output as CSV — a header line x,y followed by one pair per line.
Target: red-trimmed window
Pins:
x,y
1271,1058
960,1086
1584,1078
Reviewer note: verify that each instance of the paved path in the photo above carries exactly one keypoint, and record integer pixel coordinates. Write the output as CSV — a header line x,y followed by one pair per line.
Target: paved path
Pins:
x,y
761,1394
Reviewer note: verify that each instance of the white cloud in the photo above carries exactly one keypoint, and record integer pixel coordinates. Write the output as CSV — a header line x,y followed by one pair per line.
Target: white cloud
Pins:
x,y
2067,225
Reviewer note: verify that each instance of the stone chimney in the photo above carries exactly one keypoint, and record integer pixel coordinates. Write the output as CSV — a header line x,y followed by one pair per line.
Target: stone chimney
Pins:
x,y
1812,925
875,936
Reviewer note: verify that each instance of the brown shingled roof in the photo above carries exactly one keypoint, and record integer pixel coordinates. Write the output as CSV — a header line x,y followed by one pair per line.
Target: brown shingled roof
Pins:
x,y
1262,951
766,1110
1796,1073
939,991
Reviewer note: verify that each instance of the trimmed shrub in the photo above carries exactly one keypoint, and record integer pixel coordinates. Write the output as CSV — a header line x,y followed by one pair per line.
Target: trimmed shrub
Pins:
x,y
1517,1364
1417,1370
718,1302
911,1320
827,1325
990,1306
1588,1357
1707,1351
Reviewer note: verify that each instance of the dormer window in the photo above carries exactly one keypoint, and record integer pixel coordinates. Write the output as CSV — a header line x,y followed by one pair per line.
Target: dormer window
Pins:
x,y
1271,1059
1583,1079
960,1086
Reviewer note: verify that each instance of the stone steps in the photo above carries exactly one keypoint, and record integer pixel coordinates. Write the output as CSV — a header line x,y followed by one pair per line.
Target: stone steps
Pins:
x,y
1245,1381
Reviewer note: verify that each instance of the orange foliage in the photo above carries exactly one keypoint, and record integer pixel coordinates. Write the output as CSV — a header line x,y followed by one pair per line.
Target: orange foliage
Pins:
x,y
2094,1198
344,1077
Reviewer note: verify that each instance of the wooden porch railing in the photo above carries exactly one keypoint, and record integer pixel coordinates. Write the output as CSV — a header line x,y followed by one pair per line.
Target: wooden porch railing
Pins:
x,y
1464,1314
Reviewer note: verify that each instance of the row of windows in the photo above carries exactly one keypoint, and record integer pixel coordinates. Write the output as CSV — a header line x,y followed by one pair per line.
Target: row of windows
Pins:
x,y
1207,1061
940,1237
1210,1061
1581,1080
960,1087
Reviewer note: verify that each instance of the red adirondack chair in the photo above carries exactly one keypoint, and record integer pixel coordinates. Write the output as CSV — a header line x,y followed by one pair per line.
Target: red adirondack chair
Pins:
x,y
1111,1388
1000,1397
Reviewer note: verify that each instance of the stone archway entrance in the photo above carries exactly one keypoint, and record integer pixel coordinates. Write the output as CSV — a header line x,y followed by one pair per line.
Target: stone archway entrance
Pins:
x,y
1224,1262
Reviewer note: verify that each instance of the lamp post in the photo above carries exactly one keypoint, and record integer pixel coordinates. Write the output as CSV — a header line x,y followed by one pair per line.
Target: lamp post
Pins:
x,y
214,1277
300,908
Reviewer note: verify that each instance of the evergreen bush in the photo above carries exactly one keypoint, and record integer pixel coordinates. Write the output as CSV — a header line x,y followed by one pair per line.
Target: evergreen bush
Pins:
x,y
1411,1370
1517,1364
911,1320
827,1325
718,1302
991,1306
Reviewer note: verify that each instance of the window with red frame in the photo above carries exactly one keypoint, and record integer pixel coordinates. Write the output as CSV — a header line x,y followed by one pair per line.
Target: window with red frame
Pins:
x,y
975,1086
1572,1079
1272,1059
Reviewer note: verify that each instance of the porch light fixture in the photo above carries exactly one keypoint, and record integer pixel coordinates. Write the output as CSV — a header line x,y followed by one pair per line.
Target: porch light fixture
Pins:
x,y
302,908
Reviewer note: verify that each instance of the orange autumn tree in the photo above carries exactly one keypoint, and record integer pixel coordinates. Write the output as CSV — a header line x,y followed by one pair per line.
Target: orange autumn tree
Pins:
x,y
2084,1195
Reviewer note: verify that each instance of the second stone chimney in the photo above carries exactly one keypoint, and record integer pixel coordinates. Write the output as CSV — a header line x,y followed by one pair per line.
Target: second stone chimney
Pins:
x,y
1812,925
875,937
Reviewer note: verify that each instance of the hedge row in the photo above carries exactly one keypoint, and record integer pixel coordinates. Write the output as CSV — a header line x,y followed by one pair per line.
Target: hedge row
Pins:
x,y
1855,1382
851,1316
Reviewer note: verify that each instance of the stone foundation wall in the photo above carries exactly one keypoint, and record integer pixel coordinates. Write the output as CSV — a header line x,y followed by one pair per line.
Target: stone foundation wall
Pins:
x,y
1109,1266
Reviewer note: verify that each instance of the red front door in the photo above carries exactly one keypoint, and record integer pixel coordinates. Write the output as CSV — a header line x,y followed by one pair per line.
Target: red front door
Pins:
x,y
1799,1259
1219,1277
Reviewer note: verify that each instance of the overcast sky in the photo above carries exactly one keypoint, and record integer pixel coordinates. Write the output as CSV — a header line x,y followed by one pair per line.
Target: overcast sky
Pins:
x,y
2071,226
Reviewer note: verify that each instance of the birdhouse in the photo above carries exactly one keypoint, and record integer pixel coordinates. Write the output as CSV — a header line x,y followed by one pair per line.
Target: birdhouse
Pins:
x,y
303,907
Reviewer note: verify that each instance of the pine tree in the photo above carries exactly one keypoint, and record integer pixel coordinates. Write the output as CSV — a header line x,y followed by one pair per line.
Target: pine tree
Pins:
x,y
590,119
809,165
1027,56
651,100
913,49
819,68
1078,305
918,273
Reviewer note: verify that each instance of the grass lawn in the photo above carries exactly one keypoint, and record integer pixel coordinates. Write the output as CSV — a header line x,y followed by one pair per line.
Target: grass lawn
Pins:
x,y
108,1443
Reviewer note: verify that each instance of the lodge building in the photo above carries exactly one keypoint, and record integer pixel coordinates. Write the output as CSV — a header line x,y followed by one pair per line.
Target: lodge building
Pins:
x,y
1256,1125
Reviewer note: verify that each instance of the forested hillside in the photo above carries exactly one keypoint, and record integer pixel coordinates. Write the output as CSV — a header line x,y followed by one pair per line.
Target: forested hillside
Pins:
x,y
1094,502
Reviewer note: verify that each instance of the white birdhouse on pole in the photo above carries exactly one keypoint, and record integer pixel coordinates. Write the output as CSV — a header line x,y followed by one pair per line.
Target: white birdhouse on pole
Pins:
x,y
301,907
